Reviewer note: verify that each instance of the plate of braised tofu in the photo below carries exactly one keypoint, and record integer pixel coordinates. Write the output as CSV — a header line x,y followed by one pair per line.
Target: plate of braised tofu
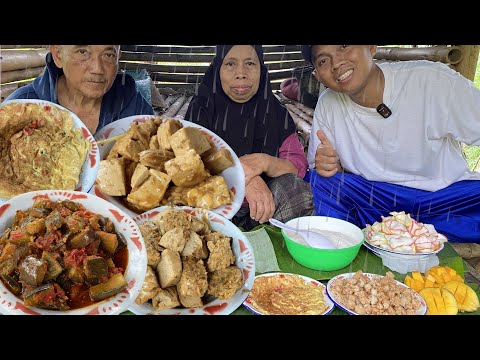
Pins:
x,y
148,161
198,263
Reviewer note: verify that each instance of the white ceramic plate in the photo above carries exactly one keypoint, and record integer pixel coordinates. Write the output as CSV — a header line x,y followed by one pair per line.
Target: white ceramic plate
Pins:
x,y
234,176
89,170
328,302
378,250
244,259
137,255
332,281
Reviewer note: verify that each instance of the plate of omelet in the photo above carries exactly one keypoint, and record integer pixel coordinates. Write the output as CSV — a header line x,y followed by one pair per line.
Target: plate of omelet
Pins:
x,y
44,146
288,294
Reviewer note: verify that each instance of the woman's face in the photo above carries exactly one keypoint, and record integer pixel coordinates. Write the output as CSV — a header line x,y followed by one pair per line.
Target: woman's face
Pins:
x,y
240,73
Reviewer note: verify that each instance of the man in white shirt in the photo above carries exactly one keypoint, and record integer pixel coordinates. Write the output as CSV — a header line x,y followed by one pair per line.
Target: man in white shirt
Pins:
x,y
388,137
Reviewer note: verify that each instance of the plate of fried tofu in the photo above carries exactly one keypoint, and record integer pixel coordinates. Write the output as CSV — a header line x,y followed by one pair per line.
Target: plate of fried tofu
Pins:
x,y
148,161
198,263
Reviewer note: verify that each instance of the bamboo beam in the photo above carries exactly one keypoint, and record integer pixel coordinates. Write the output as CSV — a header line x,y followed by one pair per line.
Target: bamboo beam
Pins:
x,y
172,49
468,66
21,59
141,56
16,75
186,69
174,108
3,47
445,54
7,89
181,113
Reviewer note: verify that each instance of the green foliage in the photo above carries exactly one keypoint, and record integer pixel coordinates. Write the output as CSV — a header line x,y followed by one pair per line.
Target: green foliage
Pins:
x,y
473,152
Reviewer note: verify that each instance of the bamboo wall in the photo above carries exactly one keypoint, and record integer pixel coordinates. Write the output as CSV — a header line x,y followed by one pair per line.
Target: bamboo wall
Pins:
x,y
179,67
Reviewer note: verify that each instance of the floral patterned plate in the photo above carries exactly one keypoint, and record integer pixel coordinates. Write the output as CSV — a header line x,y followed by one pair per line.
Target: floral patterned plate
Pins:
x,y
137,255
244,259
234,176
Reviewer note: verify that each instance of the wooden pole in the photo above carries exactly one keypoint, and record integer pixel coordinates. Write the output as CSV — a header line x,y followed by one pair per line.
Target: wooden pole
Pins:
x,y
21,59
445,54
7,89
468,66
174,108
181,113
16,75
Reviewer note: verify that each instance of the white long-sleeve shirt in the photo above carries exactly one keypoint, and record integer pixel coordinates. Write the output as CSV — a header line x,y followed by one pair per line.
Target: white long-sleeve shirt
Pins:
x,y
434,109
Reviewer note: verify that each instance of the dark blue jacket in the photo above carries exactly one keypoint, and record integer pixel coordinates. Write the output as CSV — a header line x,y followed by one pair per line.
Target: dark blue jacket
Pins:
x,y
120,101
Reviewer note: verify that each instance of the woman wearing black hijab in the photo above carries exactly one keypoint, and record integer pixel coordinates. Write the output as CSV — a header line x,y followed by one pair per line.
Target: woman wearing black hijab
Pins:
x,y
235,101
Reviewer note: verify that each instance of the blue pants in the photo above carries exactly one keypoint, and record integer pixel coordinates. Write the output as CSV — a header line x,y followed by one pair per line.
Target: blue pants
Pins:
x,y
454,210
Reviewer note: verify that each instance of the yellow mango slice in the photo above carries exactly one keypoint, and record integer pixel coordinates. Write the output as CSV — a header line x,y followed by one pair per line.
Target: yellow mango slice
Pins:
x,y
439,301
466,297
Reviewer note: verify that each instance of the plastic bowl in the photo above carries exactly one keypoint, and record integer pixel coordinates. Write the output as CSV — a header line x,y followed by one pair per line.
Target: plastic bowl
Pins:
x,y
324,259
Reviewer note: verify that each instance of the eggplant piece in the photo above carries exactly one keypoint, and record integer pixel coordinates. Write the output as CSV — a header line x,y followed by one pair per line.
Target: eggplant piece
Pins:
x,y
65,282
70,205
54,221
12,283
122,242
109,241
111,287
39,212
36,226
32,270
74,224
7,267
20,237
44,297
82,239
5,235
95,267
105,224
75,274
54,268
19,216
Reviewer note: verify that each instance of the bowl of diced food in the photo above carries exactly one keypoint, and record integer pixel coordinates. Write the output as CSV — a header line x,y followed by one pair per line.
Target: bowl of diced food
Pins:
x,y
68,253
148,161
199,263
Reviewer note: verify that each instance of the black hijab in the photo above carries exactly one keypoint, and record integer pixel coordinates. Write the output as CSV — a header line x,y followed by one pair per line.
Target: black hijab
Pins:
x,y
260,125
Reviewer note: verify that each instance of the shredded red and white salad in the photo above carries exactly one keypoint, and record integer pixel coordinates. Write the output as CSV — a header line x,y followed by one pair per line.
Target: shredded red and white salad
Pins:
x,y
400,233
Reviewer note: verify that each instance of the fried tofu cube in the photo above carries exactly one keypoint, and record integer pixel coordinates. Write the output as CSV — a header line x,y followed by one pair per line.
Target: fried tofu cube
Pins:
x,y
153,144
128,148
169,268
186,169
210,194
195,247
170,218
221,255
166,299
224,283
150,287
218,161
189,138
111,177
139,176
194,280
166,130
192,301
151,192
175,239
155,158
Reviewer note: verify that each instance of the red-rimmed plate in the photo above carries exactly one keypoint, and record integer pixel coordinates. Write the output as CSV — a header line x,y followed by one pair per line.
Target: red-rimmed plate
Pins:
x,y
328,303
124,224
90,168
234,176
244,259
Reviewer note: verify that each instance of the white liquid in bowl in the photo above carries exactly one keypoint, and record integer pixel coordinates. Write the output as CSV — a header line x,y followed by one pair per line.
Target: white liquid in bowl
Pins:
x,y
338,239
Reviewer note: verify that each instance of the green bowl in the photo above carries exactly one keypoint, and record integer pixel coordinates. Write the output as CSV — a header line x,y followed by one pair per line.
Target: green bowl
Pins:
x,y
324,259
